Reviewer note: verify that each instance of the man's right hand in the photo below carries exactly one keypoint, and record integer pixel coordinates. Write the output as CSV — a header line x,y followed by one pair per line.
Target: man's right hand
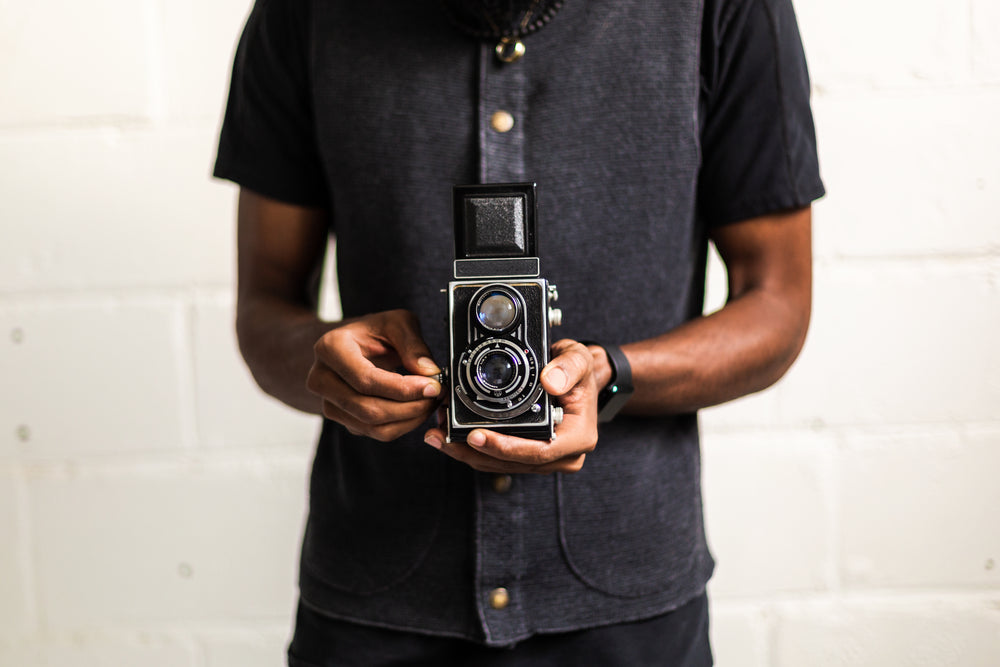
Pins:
x,y
373,375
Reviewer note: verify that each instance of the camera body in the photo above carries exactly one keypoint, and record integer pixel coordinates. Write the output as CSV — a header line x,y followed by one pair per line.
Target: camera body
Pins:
x,y
499,313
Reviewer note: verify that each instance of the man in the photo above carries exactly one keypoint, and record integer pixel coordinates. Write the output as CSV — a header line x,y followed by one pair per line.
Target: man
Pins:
x,y
650,128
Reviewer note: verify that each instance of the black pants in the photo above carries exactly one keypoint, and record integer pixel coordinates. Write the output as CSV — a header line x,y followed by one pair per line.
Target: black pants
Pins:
x,y
676,639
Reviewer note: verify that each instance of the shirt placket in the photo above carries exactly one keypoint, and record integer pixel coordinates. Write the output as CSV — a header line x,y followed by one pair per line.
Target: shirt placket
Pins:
x,y
500,499
502,116
500,557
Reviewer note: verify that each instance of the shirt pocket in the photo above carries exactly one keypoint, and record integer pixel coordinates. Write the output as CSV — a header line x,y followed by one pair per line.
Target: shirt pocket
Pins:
x,y
630,522
375,510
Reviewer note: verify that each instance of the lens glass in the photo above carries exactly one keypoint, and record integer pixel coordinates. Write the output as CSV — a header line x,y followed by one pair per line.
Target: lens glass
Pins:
x,y
497,311
497,370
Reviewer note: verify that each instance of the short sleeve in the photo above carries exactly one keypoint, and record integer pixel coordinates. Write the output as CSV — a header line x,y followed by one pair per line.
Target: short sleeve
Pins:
x,y
757,134
268,138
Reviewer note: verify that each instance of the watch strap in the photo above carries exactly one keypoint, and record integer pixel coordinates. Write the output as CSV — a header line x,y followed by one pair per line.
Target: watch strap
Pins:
x,y
613,397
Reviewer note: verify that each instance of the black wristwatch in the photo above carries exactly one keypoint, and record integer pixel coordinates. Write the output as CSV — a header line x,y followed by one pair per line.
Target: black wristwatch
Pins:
x,y
616,393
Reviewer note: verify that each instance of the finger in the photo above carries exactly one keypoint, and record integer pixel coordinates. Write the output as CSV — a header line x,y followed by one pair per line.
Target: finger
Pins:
x,y
402,332
370,410
482,462
570,442
571,363
463,453
381,432
340,351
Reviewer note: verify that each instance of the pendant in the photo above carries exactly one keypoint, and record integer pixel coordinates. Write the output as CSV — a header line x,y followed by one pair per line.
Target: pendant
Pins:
x,y
509,49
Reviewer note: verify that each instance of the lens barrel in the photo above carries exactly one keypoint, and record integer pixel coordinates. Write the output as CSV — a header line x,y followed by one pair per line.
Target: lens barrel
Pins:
x,y
497,370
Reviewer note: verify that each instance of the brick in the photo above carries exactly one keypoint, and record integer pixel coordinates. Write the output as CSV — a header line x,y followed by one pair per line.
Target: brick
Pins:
x,y
153,546
913,631
232,410
986,40
249,648
329,295
199,43
900,343
69,60
99,650
15,610
753,411
918,507
88,376
909,173
716,285
102,208
739,635
860,44
767,507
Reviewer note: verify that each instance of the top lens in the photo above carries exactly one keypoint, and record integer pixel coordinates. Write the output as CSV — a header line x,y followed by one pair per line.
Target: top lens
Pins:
x,y
497,311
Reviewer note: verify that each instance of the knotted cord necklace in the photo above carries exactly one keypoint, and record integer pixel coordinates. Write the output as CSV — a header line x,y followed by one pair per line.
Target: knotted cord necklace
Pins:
x,y
507,27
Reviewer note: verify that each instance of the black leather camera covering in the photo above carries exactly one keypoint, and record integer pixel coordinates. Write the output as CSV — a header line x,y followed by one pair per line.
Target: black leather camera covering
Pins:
x,y
494,221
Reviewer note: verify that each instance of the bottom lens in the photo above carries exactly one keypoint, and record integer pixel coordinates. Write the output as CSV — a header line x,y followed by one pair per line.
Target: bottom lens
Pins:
x,y
497,370
498,378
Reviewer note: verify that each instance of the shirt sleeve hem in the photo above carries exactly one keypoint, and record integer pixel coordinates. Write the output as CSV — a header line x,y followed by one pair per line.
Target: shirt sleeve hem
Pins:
x,y
279,189
767,203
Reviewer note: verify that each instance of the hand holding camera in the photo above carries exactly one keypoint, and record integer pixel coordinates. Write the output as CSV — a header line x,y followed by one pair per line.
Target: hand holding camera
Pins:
x,y
354,373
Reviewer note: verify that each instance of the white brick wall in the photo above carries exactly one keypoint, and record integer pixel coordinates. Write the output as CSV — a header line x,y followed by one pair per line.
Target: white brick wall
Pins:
x,y
141,544
66,61
151,499
879,631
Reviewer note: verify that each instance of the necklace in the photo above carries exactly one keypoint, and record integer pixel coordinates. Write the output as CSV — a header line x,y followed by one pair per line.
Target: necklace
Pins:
x,y
510,47
507,26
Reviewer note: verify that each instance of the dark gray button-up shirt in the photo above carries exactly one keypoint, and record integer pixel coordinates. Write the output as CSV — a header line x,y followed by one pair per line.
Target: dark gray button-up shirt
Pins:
x,y
643,123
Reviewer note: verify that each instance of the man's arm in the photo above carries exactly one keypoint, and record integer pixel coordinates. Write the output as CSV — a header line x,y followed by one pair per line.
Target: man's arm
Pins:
x,y
749,343
343,370
280,250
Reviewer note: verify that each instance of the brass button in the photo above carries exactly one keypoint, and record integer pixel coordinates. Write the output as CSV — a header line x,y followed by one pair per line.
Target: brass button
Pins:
x,y
502,483
502,121
499,598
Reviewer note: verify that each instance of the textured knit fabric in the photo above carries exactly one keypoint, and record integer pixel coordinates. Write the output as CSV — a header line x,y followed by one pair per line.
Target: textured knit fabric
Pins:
x,y
641,135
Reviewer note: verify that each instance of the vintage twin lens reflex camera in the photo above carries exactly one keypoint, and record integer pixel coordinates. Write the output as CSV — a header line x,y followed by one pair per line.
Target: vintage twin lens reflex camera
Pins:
x,y
499,311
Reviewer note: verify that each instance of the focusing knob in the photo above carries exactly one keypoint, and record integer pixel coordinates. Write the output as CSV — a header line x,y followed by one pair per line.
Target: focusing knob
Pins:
x,y
557,415
555,317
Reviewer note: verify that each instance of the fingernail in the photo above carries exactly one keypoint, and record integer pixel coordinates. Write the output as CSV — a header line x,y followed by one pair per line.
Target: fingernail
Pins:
x,y
476,439
432,389
556,378
427,365
433,441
